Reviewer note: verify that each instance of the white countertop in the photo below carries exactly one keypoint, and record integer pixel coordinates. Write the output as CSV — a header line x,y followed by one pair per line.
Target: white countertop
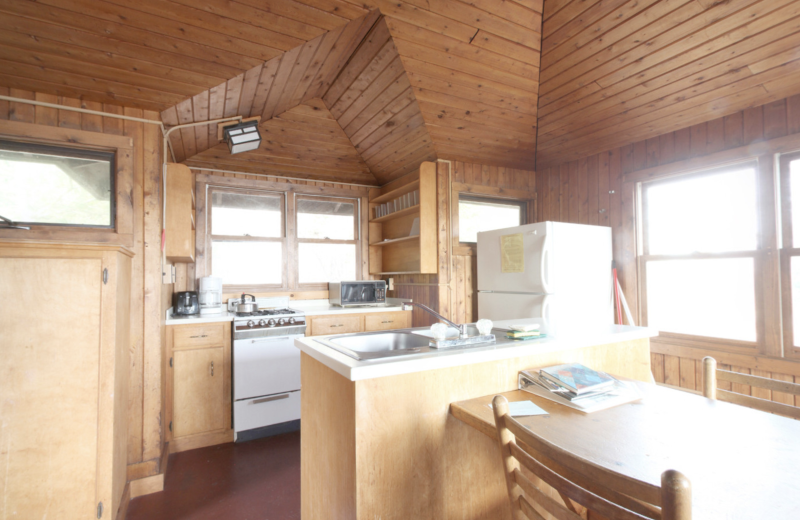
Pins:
x,y
577,337
309,307
322,307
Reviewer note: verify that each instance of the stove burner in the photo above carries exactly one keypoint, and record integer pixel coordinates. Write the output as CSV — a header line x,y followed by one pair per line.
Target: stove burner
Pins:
x,y
265,312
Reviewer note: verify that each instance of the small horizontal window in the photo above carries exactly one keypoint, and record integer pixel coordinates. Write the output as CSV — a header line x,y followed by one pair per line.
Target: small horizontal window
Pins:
x,y
50,185
478,214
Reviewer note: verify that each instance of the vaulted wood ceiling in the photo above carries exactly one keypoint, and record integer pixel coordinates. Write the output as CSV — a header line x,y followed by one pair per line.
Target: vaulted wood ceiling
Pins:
x,y
615,72
413,80
305,142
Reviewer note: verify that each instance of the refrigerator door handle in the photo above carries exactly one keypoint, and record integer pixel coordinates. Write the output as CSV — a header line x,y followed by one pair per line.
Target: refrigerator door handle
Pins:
x,y
546,309
543,271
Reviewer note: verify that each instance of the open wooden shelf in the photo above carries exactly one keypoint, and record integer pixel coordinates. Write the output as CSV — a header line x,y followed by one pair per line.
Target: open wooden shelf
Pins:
x,y
396,214
399,192
395,240
401,252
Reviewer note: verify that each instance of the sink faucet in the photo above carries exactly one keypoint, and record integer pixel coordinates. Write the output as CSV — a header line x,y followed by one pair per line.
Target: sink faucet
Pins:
x,y
462,329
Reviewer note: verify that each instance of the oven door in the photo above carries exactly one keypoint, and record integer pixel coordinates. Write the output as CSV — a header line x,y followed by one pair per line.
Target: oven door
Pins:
x,y
265,366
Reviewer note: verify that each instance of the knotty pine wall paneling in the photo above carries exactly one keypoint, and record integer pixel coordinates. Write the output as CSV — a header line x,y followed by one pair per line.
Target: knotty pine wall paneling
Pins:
x,y
145,435
590,191
453,291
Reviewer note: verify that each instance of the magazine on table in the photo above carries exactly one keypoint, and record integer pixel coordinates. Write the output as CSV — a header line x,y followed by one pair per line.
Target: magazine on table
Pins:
x,y
607,396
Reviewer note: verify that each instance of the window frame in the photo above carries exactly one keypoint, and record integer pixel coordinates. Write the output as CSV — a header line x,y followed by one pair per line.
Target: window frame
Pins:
x,y
204,183
466,196
235,238
297,240
788,250
764,261
71,152
123,149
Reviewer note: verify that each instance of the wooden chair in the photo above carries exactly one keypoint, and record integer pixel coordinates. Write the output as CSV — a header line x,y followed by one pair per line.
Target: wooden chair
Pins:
x,y
577,480
712,374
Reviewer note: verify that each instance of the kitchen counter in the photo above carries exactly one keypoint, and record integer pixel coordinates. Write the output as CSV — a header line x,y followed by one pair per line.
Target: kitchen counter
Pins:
x,y
310,307
354,370
322,307
377,439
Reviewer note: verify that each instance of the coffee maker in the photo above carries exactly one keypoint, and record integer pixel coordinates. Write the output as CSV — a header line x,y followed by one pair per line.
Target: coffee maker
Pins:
x,y
210,295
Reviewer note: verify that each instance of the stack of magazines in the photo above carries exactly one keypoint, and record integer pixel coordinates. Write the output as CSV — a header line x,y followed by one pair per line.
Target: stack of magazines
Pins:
x,y
578,387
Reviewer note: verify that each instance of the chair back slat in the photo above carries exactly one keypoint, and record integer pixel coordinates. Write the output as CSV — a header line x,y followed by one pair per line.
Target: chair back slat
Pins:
x,y
759,404
571,490
759,382
628,486
559,469
710,389
637,506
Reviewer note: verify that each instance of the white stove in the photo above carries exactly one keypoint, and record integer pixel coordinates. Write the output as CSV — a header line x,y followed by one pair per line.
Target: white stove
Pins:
x,y
266,369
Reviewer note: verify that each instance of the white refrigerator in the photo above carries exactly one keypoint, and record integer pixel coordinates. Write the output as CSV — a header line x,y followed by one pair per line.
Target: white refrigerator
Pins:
x,y
551,270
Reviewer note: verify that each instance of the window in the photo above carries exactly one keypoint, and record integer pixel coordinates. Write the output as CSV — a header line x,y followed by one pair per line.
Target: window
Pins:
x,y
700,254
790,252
261,241
479,214
326,235
247,237
55,186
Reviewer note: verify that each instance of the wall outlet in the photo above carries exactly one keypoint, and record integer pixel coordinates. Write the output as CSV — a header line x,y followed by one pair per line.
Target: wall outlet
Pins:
x,y
390,284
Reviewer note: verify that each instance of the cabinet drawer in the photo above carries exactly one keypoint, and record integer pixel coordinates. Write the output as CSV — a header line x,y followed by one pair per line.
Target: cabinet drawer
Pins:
x,y
323,325
385,321
208,334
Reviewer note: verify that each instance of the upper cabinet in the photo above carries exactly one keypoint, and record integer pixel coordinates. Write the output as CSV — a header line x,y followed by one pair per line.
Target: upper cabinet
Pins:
x,y
180,213
402,225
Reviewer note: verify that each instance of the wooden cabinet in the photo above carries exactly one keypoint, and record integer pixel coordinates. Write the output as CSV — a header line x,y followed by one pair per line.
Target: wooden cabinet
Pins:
x,y
393,248
198,385
351,323
387,320
64,378
180,224
336,324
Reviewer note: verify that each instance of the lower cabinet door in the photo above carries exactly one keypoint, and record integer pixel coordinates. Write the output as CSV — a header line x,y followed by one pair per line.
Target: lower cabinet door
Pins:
x,y
199,402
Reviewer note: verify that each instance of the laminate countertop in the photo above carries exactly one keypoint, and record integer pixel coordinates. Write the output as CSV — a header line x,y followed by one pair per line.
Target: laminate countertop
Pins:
x,y
569,338
309,307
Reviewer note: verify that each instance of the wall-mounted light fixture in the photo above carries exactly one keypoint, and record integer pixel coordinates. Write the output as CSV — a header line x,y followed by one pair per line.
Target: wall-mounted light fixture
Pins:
x,y
242,136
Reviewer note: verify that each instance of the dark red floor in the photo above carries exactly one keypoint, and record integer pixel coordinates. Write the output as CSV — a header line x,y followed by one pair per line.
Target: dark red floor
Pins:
x,y
255,480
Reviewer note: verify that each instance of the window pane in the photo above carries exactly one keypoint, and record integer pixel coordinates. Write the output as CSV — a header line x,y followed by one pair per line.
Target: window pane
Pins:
x,y
53,188
707,214
242,214
323,263
794,180
247,263
713,297
325,219
795,274
475,216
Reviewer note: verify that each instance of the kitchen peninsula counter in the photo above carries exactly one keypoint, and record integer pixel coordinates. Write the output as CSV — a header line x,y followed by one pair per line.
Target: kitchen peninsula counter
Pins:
x,y
377,439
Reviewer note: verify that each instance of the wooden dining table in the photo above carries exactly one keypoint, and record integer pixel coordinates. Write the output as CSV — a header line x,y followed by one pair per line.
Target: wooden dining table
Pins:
x,y
742,463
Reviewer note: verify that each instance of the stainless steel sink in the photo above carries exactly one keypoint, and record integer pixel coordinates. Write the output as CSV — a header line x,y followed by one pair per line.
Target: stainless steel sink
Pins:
x,y
378,345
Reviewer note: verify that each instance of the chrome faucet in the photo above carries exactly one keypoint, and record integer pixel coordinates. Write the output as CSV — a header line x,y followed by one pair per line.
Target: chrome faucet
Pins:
x,y
462,329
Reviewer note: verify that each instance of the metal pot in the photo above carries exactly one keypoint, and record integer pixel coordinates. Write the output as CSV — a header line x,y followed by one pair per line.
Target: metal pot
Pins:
x,y
245,306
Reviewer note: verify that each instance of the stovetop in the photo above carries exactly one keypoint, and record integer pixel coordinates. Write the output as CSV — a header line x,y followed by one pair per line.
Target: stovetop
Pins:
x,y
269,312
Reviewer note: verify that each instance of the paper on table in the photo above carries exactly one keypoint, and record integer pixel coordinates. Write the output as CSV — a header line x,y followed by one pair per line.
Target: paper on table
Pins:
x,y
523,409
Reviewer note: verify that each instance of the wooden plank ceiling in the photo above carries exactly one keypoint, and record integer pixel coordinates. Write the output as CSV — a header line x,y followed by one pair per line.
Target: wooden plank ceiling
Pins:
x,y
151,54
451,80
304,142
615,72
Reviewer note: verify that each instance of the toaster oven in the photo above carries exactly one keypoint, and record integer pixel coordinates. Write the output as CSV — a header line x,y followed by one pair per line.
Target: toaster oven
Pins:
x,y
361,292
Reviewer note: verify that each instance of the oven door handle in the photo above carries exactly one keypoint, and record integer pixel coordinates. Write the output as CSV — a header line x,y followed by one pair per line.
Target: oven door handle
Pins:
x,y
268,338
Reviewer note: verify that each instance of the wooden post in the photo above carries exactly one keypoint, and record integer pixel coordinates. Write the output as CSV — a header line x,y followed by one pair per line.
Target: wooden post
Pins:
x,y
676,495
710,377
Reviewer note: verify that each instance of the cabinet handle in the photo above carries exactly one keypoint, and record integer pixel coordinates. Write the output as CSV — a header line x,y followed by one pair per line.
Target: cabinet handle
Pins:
x,y
212,369
387,321
340,325
203,336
